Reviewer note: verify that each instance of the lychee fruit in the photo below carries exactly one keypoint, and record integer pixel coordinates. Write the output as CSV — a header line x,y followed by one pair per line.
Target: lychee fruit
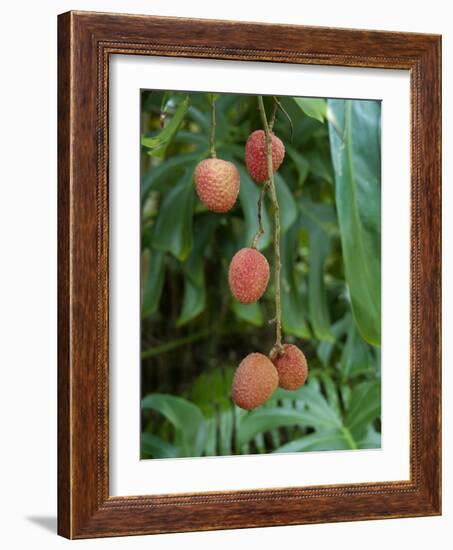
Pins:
x,y
217,184
291,366
254,381
256,158
248,275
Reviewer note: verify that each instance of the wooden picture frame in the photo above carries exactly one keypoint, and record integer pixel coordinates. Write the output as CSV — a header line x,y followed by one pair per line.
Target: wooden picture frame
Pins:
x,y
85,42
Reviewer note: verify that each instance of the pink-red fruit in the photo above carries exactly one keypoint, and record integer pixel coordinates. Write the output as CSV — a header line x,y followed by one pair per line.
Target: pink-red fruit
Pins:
x,y
255,380
248,275
291,366
217,184
256,158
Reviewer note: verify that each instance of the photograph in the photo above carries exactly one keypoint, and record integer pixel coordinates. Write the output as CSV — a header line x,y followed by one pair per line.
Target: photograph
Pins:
x,y
260,272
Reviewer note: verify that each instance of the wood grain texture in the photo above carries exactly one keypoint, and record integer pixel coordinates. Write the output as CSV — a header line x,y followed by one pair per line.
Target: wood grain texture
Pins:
x,y
86,40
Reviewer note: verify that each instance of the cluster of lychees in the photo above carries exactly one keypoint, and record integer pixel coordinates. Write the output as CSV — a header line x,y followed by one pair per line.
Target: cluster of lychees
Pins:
x,y
217,184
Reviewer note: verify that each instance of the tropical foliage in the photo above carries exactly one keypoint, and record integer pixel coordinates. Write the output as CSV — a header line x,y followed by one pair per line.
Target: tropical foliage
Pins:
x,y
194,333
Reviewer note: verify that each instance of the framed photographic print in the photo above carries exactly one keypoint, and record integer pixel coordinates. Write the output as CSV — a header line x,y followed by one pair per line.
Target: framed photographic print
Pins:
x,y
249,275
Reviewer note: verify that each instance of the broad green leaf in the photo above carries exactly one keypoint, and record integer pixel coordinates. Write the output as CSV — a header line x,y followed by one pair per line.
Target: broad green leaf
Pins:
x,y
313,107
331,390
356,355
210,448
173,230
264,419
364,406
167,171
287,205
338,329
371,440
293,314
156,447
204,227
354,129
332,440
252,313
152,288
249,193
320,413
187,419
301,163
319,219
162,139
193,303
226,426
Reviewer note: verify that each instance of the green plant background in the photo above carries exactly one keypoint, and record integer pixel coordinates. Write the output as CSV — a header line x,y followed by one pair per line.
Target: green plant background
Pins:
x,y
194,334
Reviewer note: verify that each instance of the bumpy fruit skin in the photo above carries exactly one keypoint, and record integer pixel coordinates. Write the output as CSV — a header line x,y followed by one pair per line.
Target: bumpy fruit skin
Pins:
x,y
292,367
255,155
217,184
248,275
255,380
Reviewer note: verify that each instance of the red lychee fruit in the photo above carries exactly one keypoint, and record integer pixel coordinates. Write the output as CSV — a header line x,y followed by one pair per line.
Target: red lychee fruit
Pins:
x,y
248,275
254,381
255,155
291,366
217,184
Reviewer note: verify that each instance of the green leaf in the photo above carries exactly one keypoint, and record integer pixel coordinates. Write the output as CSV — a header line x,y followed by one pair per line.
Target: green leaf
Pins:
x,y
249,193
313,107
156,447
320,414
167,171
187,419
293,315
193,303
301,163
163,138
364,406
204,227
354,129
338,329
173,230
356,355
152,289
288,207
332,440
266,419
252,313
318,219
371,440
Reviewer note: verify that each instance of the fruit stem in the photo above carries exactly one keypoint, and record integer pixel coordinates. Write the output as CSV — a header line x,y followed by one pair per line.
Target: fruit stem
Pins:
x,y
274,114
260,231
213,123
278,308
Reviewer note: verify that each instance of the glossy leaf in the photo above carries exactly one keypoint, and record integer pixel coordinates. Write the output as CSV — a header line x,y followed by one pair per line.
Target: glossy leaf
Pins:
x,y
354,128
293,314
364,406
286,202
173,231
155,143
264,419
320,220
252,313
187,419
156,447
193,302
313,107
168,171
153,285
333,440
249,193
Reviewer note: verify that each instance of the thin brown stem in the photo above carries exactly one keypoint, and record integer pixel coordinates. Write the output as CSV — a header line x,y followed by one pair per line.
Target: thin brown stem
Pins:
x,y
274,113
213,123
278,348
260,231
